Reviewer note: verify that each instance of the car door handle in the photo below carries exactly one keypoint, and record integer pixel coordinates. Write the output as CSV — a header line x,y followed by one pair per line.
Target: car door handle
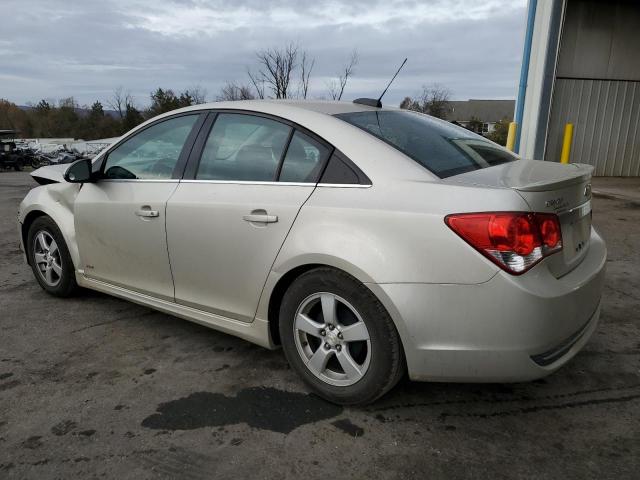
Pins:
x,y
147,213
260,218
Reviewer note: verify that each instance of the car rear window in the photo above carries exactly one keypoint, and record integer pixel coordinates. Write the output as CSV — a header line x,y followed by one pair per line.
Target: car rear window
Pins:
x,y
441,147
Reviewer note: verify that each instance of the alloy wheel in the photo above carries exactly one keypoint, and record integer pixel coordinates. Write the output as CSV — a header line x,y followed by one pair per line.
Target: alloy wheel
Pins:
x,y
332,339
46,256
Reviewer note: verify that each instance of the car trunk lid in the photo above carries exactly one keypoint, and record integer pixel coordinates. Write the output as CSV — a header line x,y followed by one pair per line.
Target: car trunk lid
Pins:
x,y
547,187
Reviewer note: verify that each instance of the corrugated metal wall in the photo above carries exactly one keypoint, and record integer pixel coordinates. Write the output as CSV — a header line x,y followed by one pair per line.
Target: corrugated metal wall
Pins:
x,y
597,86
606,118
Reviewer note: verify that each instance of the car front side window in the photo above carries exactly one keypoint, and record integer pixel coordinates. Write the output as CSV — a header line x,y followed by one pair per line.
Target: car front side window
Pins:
x,y
151,154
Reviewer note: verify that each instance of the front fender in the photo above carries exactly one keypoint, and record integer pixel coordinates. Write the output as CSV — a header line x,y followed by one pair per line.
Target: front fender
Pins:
x,y
56,201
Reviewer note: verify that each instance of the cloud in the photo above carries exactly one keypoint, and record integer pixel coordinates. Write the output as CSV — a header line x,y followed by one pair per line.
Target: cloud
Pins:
x,y
210,19
88,48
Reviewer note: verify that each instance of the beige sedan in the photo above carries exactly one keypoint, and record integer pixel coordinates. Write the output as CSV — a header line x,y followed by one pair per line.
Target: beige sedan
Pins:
x,y
367,242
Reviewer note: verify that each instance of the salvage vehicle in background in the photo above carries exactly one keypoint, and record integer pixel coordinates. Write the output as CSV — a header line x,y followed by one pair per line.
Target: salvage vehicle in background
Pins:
x,y
32,156
39,159
366,241
10,156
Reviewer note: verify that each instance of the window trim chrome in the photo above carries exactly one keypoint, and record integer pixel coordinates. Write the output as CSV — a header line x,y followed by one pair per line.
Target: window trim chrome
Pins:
x,y
139,180
250,182
234,182
345,185
284,184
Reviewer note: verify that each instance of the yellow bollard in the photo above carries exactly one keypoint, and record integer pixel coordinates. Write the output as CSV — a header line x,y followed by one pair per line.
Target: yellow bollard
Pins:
x,y
511,135
566,143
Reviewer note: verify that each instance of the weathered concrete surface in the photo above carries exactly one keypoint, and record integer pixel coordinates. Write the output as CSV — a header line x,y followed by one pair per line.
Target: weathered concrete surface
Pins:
x,y
617,188
98,387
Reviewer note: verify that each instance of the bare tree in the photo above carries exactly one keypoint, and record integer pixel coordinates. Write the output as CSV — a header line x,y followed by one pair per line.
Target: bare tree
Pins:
x,y
231,91
336,86
116,102
334,89
409,103
283,72
276,68
258,83
198,94
306,66
119,101
434,100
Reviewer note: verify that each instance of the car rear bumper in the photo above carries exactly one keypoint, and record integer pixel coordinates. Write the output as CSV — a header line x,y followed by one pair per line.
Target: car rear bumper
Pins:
x,y
510,328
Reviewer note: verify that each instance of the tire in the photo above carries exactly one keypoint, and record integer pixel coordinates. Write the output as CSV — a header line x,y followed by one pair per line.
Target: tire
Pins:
x,y
18,165
44,256
362,337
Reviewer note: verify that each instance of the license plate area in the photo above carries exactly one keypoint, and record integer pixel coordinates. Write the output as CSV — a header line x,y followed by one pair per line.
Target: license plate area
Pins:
x,y
581,230
576,232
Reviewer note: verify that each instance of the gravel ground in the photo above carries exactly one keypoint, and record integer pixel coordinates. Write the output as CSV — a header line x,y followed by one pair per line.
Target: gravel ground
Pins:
x,y
97,387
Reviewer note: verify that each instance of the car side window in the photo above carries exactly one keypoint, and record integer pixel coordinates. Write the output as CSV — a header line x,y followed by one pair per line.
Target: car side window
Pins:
x,y
304,159
151,154
340,172
244,148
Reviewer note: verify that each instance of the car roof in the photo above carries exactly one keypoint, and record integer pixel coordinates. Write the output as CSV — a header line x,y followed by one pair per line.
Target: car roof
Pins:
x,y
328,107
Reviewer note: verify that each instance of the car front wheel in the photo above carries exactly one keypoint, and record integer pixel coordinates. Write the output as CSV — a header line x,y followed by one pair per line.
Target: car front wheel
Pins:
x,y
50,259
339,338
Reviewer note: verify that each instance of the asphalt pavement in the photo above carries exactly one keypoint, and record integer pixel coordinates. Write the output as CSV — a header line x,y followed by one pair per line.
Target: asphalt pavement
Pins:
x,y
96,387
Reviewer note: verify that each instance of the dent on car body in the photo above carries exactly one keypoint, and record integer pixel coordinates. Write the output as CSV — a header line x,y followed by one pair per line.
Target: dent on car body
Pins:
x,y
55,200
49,174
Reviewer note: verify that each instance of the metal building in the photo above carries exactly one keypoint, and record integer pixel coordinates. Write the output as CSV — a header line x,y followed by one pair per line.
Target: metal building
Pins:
x,y
581,65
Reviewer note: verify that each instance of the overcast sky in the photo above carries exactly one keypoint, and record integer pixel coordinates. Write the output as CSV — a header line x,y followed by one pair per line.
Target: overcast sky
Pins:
x,y
86,48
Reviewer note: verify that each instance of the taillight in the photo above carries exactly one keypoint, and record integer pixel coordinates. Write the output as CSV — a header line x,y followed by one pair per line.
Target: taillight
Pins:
x,y
515,241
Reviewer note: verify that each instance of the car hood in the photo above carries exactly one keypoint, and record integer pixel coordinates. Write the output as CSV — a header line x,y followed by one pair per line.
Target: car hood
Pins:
x,y
50,174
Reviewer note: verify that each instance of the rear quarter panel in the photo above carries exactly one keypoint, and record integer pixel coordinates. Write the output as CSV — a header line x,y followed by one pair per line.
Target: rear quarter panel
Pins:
x,y
393,232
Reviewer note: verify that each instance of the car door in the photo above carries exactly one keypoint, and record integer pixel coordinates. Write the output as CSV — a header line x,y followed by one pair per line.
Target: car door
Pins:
x,y
227,222
120,219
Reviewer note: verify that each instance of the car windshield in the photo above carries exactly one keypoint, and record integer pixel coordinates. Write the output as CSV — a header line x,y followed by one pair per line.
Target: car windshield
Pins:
x,y
441,147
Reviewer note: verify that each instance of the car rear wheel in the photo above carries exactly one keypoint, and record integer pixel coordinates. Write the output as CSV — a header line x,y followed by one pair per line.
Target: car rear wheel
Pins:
x,y
19,165
339,338
50,259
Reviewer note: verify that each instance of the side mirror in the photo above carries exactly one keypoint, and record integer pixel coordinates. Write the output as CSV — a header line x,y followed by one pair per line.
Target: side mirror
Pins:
x,y
79,172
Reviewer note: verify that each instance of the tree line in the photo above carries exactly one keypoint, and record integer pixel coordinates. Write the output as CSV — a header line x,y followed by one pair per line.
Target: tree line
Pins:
x,y
66,118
